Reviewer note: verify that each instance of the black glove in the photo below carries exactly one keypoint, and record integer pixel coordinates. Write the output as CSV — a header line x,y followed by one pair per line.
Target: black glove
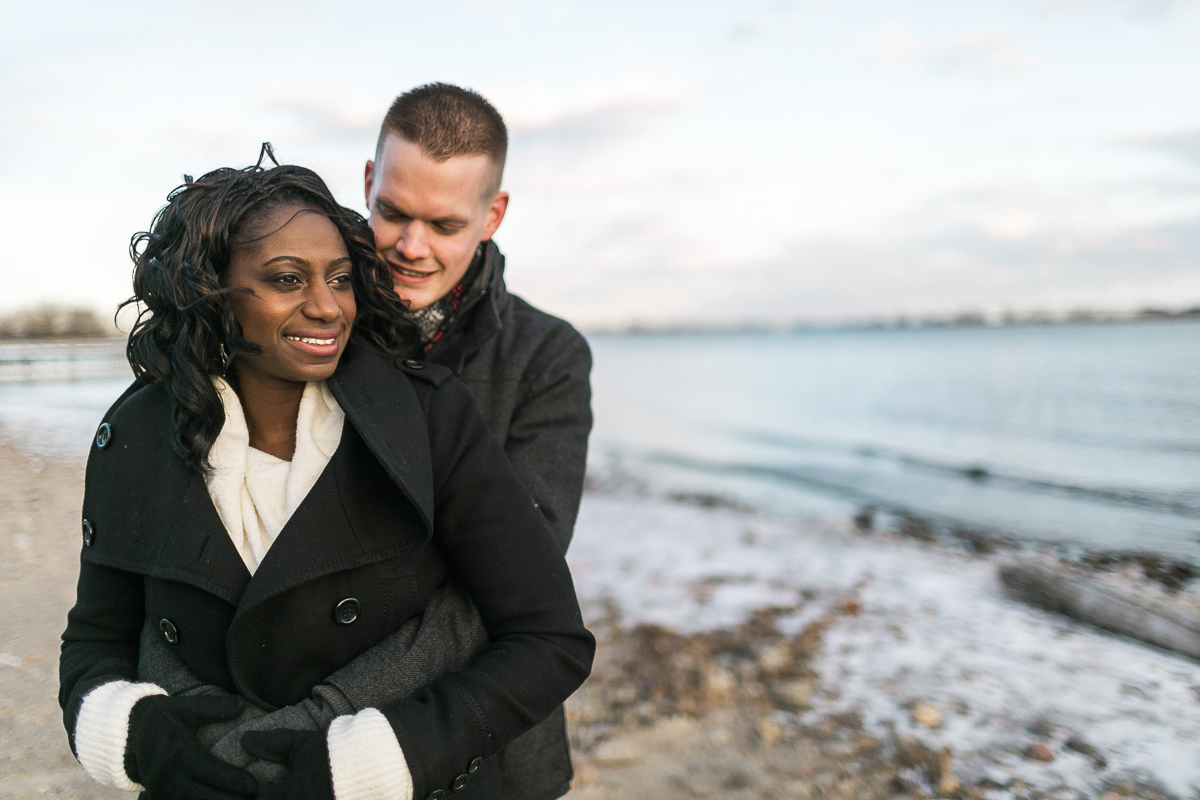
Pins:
x,y
164,755
306,756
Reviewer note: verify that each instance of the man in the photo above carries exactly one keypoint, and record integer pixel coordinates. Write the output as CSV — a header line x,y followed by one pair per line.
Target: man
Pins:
x,y
433,192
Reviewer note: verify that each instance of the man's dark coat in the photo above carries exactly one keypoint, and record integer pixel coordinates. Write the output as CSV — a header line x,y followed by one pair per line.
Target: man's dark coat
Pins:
x,y
529,374
417,490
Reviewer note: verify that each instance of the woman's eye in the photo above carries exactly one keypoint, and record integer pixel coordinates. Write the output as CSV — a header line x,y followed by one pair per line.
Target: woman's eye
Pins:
x,y
340,281
287,279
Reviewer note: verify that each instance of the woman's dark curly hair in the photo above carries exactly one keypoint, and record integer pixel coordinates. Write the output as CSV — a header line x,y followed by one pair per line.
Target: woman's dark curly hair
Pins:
x,y
186,332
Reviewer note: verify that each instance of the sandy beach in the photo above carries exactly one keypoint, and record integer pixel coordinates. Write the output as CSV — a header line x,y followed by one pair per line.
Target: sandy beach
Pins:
x,y
39,531
741,656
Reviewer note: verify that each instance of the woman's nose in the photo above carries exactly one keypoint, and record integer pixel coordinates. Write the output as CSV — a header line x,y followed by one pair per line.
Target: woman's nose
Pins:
x,y
321,304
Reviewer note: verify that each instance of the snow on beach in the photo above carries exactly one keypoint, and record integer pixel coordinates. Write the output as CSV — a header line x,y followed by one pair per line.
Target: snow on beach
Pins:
x,y
933,628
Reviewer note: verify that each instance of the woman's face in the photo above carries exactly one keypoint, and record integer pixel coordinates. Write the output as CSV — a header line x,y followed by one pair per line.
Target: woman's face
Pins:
x,y
297,265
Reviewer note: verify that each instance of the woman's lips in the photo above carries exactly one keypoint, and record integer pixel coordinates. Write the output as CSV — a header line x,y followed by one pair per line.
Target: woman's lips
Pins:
x,y
322,344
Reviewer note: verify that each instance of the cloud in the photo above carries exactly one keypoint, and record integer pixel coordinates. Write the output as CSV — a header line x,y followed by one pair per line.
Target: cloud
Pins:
x,y
331,115
988,52
647,271
590,113
576,115
1184,145
1148,7
970,268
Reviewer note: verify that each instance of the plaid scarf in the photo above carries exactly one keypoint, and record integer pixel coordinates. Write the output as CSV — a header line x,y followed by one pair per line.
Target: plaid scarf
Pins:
x,y
435,320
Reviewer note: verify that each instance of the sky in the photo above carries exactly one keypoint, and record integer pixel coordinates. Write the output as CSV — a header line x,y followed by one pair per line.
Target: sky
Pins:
x,y
670,162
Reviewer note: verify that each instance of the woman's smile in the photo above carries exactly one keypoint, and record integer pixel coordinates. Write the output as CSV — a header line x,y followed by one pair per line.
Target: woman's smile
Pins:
x,y
317,343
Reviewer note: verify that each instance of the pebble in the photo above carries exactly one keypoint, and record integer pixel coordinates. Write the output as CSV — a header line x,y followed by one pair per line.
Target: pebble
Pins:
x,y
1083,748
719,685
768,730
795,695
865,744
926,716
775,660
616,753
947,786
585,775
1039,752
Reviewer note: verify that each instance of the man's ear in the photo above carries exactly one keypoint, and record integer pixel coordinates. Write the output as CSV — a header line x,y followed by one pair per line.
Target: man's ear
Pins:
x,y
495,215
368,177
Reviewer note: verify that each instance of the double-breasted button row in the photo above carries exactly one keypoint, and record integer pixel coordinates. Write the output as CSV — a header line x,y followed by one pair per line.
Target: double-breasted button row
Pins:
x,y
89,533
167,628
103,435
346,611
460,782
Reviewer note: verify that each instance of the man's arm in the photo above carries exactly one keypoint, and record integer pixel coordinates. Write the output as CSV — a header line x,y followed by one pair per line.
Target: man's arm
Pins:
x,y
547,437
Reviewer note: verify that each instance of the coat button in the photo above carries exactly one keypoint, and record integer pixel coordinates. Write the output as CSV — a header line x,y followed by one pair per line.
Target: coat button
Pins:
x,y
346,611
476,763
89,533
412,363
168,631
103,435
460,782
436,794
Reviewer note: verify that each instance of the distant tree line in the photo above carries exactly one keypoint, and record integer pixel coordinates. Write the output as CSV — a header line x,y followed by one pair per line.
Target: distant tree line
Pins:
x,y
963,319
54,322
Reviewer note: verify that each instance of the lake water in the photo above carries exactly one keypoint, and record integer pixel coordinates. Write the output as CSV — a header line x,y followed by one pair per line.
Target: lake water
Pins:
x,y
1079,434
1087,435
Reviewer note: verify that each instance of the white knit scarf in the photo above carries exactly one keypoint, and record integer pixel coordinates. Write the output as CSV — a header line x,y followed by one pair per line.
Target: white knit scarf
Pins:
x,y
256,493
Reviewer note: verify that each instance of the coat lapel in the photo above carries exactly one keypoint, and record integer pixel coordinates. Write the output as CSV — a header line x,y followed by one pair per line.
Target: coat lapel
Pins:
x,y
197,549
382,405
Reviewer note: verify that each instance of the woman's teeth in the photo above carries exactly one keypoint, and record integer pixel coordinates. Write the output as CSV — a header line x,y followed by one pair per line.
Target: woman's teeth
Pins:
x,y
310,340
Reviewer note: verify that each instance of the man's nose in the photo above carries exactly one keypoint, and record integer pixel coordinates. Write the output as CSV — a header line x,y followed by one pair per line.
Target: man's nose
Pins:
x,y
413,244
320,303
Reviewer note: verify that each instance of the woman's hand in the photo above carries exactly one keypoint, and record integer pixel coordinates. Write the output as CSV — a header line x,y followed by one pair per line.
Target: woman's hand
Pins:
x,y
164,755
306,756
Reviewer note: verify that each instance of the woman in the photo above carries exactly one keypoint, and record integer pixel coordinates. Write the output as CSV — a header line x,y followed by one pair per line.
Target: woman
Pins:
x,y
278,497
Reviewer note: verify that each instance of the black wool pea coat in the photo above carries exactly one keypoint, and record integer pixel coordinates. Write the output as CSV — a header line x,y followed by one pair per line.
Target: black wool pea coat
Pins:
x,y
417,491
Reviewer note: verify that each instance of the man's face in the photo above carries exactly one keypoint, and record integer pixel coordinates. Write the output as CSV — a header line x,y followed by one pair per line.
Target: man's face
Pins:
x,y
429,217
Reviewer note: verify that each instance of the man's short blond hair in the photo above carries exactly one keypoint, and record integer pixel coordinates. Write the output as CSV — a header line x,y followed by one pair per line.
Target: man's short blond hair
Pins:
x,y
444,121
